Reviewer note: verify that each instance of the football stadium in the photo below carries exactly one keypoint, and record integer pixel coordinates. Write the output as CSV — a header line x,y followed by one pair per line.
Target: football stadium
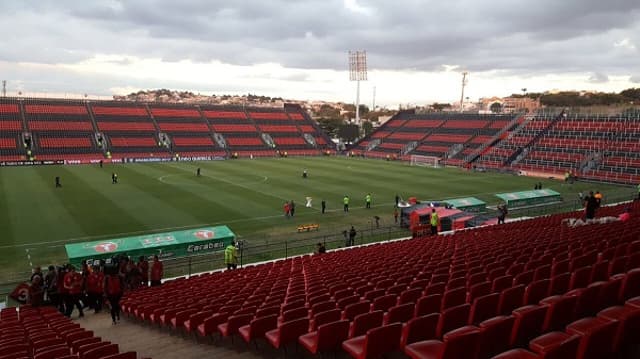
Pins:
x,y
136,229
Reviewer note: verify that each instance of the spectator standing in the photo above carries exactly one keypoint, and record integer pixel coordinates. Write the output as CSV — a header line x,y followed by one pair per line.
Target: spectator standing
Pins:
x,y
36,288
62,291
395,214
231,256
590,206
134,275
143,268
51,286
352,236
433,220
287,210
36,272
598,197
113,289
157,271
292,208
95,289
73,284
324,205
397,200
502,213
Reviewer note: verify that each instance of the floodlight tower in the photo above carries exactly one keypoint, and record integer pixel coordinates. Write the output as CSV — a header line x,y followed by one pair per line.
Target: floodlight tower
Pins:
x,y
357,73
4,88
465,81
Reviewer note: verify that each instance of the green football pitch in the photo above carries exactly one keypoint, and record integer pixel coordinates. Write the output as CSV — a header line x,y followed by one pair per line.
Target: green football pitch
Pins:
x,y
37,219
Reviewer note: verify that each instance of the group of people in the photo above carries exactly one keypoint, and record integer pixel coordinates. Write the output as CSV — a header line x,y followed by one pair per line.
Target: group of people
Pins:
x,y
350,236
289,209
66,288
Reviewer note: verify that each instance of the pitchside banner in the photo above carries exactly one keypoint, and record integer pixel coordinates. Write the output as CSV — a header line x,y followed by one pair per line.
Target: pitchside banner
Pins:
x,y
529,198
165,245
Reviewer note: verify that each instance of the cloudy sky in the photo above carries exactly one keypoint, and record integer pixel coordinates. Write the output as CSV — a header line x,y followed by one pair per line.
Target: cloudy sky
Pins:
x,y
416,49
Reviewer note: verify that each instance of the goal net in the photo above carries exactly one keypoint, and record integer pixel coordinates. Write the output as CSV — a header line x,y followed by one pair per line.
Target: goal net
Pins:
x,y
425,161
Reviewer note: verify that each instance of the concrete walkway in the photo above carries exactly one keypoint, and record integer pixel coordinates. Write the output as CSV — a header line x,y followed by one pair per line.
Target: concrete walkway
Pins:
x,y
153,342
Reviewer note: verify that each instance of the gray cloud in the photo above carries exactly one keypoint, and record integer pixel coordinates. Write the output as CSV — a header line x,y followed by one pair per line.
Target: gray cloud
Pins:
x,y
520,36
598,78
635,79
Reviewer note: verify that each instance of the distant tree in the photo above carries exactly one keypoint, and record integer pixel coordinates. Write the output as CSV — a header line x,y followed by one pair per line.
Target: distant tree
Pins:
x,y
364,109
440,106
349,107
496,107
328,111
330,125
632,94
367,127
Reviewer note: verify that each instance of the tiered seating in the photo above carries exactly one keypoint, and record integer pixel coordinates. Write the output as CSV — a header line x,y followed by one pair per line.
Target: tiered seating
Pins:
x,y
469,131
240,133
572,140
10,129
497,156
435,134
530,284
61,130
129,129
283,127
44,333
189,132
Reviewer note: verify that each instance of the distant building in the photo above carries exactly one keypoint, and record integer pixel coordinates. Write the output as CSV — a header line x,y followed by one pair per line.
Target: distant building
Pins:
x,y
509,104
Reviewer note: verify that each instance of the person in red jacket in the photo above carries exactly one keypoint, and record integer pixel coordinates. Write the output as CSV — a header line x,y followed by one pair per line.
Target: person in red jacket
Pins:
x,y
143,268
157,271
95,289
62,291
113,289
73,285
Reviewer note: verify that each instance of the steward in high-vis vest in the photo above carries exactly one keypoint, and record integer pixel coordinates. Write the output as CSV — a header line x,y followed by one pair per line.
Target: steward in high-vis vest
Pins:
x,y
433,220
345,201
231,256
367,200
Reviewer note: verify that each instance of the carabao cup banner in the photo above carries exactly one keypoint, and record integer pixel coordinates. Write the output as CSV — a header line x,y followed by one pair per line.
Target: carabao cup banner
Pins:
x,y
164,245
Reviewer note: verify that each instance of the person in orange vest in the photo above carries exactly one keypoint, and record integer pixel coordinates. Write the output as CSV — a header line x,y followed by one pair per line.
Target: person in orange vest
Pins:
x,y
113,289
157,271
73,286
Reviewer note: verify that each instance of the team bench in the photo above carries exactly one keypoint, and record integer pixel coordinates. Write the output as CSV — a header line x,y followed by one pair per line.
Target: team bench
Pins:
x,y
307,227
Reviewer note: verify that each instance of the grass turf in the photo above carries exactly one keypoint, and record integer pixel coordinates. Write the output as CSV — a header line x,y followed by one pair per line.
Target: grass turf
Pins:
x,y
37,219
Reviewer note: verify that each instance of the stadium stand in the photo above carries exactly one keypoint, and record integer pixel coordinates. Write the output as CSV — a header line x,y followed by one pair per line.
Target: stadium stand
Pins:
x,y
60,130
188,132
11,128
448,136
594,147
129,130
44,333
91,131
546,143
527,289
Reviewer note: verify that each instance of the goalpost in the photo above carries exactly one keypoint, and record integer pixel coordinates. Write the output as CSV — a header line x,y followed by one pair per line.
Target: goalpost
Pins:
x,y
425,161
